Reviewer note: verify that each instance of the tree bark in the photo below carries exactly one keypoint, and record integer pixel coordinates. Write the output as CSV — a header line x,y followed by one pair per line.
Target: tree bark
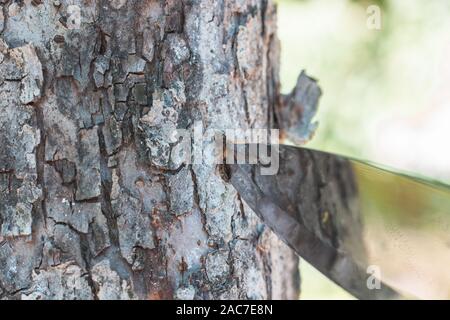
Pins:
x,y
94,203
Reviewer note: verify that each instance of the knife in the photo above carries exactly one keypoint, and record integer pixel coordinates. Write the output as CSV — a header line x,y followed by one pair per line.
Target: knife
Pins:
x,y
348,217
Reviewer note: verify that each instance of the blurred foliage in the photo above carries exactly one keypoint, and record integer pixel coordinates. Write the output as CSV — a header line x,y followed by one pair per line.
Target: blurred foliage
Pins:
x,y
365,3
364,73
366,76
315,286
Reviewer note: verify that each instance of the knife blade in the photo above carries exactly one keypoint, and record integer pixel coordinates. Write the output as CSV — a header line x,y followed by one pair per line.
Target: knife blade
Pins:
x,y
324,205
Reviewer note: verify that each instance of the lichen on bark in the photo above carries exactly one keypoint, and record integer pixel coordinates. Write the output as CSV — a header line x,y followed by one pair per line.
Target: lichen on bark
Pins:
x,y
94,202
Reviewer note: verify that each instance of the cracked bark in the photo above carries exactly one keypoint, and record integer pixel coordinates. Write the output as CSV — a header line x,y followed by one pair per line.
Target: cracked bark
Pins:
x,y
94,202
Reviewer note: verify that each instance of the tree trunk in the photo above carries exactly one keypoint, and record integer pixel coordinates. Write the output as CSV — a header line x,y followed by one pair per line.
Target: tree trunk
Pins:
x,y
94,203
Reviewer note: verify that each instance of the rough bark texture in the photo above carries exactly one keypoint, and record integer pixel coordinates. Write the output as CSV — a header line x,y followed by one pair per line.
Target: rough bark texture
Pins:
x,y
94,203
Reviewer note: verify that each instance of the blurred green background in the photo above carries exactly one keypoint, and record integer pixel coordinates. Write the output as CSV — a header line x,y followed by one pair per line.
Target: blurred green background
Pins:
x,y
385,92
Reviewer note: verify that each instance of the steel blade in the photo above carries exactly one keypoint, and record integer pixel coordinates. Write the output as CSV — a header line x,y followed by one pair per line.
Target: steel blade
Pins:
x,y
338,214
